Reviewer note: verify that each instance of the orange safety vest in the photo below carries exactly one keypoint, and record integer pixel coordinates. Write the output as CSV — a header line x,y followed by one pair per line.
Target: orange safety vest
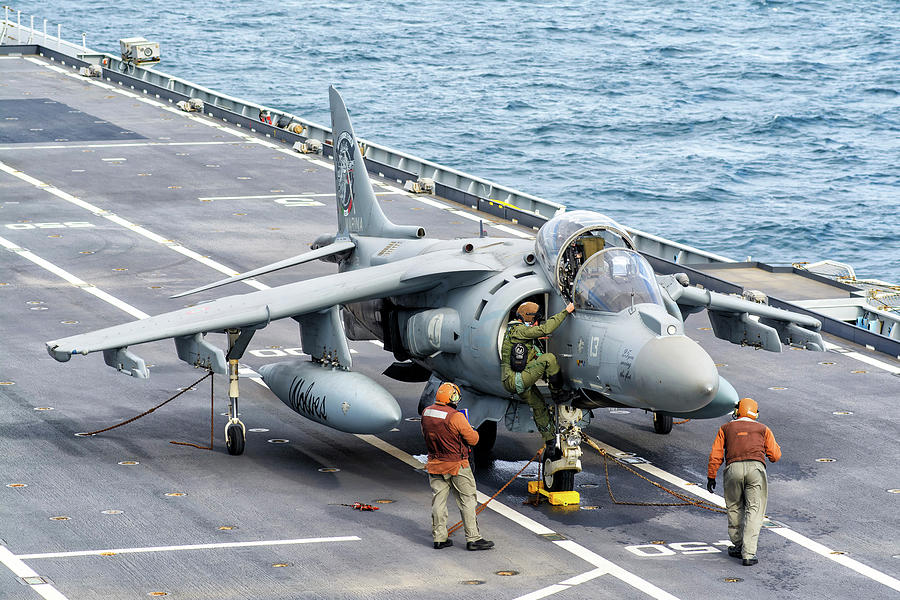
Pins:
x,y
442,442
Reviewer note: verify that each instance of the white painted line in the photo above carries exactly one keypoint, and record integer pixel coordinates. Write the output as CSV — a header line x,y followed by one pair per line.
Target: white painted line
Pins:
x,y
348,538
117,145
615,570
514,515
267,196
512,231
90,289
544,592
651,469
471,217
842,559
434,203
96,210
392,450
20,569
562,586
866,359
584,577
320,163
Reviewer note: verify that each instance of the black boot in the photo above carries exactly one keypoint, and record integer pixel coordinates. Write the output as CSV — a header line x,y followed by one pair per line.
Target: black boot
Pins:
x,y
481,544
555,382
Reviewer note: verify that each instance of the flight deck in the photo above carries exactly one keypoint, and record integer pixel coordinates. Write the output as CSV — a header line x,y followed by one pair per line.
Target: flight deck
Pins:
x,y
111,201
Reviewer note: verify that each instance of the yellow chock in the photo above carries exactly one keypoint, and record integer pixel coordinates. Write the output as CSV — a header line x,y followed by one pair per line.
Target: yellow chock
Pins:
x,y
555,498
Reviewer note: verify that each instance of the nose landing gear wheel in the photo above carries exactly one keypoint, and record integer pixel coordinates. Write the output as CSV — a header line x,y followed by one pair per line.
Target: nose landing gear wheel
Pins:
x,y
234,439
662,423
561,481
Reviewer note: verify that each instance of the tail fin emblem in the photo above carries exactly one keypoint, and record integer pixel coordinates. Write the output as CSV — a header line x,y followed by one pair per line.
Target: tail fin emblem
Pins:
x,y
344,167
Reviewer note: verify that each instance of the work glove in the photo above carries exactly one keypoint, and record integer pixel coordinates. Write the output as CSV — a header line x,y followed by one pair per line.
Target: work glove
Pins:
x,y
710,484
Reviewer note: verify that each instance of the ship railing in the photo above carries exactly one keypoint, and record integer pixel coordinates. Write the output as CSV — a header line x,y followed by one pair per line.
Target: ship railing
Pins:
x,y
13,32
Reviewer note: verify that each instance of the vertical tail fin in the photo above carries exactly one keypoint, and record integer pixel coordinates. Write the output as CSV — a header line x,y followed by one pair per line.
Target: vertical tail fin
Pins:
x,y
357,208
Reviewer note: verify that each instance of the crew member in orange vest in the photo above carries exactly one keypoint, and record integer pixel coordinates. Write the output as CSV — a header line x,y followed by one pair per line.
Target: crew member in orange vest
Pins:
x,y
448,436
744,445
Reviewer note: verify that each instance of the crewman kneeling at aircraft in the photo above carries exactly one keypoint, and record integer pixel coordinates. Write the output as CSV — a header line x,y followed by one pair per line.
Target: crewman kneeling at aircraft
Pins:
x,y
523,364
744,444
448,436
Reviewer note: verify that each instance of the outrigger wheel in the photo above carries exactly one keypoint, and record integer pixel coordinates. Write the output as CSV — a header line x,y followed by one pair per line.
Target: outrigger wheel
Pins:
x,y
662,423
561,481
234,439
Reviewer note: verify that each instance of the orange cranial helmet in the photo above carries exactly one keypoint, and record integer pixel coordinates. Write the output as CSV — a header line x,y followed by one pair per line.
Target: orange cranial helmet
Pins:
x,y
527,311
448,393
747,407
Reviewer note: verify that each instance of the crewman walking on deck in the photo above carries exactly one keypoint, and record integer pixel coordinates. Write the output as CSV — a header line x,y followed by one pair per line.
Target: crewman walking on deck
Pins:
x,y
744,445
522,364
448,436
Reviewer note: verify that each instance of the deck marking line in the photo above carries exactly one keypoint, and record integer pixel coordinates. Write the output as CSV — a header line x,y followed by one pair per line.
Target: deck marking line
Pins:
x,y
97,211
20,569
90,289
514,232
390,449
666,476
346,538
320,163
514,515
584,577
544,592
119,145
866,359
838,558
615,570
267,196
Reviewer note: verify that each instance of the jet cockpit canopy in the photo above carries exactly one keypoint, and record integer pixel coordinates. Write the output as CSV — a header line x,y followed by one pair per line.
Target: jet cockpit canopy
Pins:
x,y
614,279
567,241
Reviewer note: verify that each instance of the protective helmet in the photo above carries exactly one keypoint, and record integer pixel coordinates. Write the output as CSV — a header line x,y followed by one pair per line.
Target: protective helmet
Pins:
x,y
448,393
747,407
527,311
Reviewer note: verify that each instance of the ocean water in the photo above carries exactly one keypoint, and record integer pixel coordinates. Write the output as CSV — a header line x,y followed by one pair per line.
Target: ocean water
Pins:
x,y
756,128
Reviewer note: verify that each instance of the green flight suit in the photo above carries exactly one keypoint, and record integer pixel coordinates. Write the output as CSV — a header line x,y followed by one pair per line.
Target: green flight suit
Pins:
x,y
539,365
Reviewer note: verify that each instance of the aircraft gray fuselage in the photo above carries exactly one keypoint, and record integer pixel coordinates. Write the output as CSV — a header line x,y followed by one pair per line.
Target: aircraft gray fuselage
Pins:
x,y
638,357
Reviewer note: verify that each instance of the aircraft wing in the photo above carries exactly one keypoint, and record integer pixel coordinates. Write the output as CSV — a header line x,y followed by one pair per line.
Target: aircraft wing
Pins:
x,y
330,249
741,321
256,309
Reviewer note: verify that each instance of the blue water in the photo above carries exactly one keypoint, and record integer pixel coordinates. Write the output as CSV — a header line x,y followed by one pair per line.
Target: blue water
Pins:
x,y
742,127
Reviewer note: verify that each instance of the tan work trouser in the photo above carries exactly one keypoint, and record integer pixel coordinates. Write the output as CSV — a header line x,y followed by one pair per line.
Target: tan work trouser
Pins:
x,y
463,488
746,493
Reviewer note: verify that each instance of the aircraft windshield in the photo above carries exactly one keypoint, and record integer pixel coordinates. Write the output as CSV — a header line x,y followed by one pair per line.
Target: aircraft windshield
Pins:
x,y
609,279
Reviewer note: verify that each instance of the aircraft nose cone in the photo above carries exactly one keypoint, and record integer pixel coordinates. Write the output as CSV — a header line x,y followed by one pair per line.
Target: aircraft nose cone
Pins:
x,y
675,374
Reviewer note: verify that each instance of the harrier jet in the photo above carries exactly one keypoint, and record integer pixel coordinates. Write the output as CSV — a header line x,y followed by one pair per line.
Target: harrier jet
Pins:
x,y
442,307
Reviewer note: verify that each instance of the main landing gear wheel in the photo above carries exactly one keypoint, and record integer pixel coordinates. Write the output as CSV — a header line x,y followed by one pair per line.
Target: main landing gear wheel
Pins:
x,y
662,423
561,481
234,439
